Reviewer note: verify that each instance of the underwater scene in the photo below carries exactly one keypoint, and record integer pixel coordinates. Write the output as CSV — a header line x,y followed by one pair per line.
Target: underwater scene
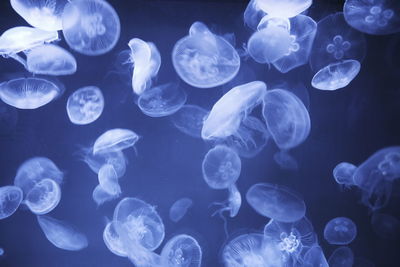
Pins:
x,y
188,133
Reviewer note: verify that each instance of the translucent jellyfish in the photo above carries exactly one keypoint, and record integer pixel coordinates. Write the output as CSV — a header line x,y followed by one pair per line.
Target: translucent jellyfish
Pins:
x,y
43,197
181,250
341,257
315,257
189,120
284,8
61,234
114,158
252,15
203,59
29,93
179,209
90,27
100,196
42,14
162,100
50,59
343,173
113,240
146,60
286,161
221,167
108,180
286,117
340,231
10,199
85,105
386,226
227,114
9,119
116,139
276,202
373,16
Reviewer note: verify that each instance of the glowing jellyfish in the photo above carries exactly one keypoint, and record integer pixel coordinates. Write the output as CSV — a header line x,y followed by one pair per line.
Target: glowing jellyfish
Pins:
x,y
276,202
29,93
203,59
85,105
43,197
113,240
340,231
343,173
162,100
100,196
61,234
373,16
108,179
227,114
50,59
386,226
179,209
181,250
10,199
315,257
341,257
252,15
146,60
284,8
189,120
114,158
116,139
90,27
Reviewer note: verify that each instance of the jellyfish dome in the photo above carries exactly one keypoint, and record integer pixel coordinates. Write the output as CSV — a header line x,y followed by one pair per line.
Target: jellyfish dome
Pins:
x,y
114,158
179,209
284,8
113,240
340,231
116,139
10,199
343,173
90,27
189,120
341,257
43,197
181,250
315,257
108,179
203,59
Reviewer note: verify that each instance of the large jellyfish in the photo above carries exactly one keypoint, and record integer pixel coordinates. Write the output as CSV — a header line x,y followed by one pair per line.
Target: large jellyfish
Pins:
x,y
340,231
343,173
276,202
179,209
341,257
108,179
29,93
61,234
189,120
85,105
181,251
386,226
43,197
10,199
284,8
113,240
90,27
315,257
203,59
116,139
373,16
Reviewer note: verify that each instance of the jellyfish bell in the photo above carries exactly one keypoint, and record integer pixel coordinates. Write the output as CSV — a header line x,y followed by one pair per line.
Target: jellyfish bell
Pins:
x,y
284,8
189,120
343,173
179,209
101,196
43,197
10,199
113,241
116,139
181,250
340,231
315,257
108,179
341,257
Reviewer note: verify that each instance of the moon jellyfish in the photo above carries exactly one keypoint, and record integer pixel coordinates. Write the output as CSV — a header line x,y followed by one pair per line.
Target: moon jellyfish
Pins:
x,y
29,93
181,250
341,257
90,27
276,202
10,199
114,158
100,196
85,105
343,173
162,100
284,8
340,231
50,59
179,209
315,257
43,197
377,17
227,114
286,161
386,226
189,120
252,15
61,234
115,140
113,240
108,180
203,59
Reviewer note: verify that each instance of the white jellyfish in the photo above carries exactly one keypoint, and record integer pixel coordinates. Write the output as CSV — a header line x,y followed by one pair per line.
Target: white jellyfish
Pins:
x,y
108,180
181,250
340,231
10,199
284,8
179,209
116,139
113,240
43,197
189,120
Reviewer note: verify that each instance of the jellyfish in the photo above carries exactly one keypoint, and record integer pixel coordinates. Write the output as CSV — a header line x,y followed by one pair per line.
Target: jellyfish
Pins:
x,y
112,240
341,257
10,199
114,158
8,119
43,197
85,105
203,59
340,231
227,114
29,93
90,27
315,257
116,139
276,202
108,180
343,173
377,17
386,226
181,250
284,8
50,59
179,209
100,196
61,234
189,120
286,161
162,100
252,15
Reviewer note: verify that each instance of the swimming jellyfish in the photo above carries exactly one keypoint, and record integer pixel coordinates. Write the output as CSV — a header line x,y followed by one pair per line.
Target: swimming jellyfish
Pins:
x,y
43,197
203,59
90,27
340,231
181,251
101,196
284,8
252,15
179,209
85,105
341,257
343,173
276,202
315,257
386,226
61,234
116,139
189,120
108,179
95,162
10,199
112,240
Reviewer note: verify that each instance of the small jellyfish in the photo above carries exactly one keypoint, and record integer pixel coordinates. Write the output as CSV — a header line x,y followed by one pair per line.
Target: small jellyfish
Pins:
x,y
286,161
284,8
100,196
179,209
181,251
276,202
108,180
10,199
113,240
61,234
253,14
386,226
315,257
85,105
162,100
203,59
189,120
116,139
90,27
343,173
376,17
43,197
29,93
341,257
340,231
95,162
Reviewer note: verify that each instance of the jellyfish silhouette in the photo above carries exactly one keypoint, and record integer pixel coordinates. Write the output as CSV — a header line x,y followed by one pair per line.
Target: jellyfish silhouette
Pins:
x,y
116,139
189,120
340,231
341,257
10,199
181,250
179,209
343,173
284,8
